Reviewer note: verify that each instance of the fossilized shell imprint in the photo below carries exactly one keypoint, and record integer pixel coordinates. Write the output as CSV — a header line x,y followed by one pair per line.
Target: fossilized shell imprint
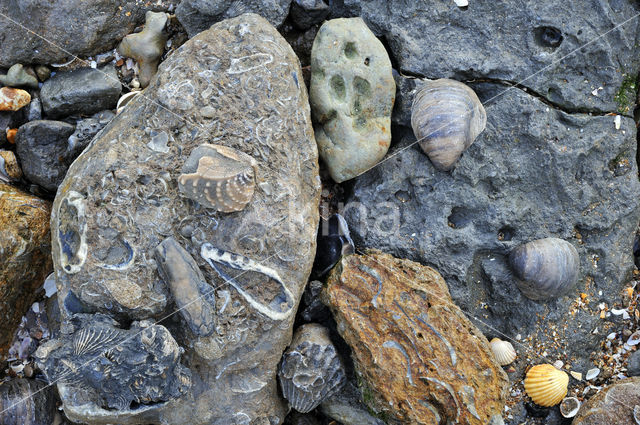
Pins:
x,y
278,308
218,177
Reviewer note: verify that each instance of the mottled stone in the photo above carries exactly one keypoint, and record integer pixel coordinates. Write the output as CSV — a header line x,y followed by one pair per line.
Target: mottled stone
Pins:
x,y
306,13
147,46
420,360
85,130
17,76
613,405
42,146
352,94
83,91
33,31
9,168
100,367
43,72
27,402
13,99
198,15
238,85
26,256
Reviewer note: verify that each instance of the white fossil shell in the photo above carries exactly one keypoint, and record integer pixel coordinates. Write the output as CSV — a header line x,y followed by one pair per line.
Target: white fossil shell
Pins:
x,y
311,370
569,407
218,177
503,351
446,117
545,268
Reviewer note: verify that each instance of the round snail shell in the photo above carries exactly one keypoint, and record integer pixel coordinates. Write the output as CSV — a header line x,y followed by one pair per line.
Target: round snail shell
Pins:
x,y
569,407
503,351
545,268
446,117
546,385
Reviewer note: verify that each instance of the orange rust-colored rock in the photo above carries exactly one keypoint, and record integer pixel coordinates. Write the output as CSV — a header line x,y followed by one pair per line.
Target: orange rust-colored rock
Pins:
x,y
13,99
11,135
418,357
25,256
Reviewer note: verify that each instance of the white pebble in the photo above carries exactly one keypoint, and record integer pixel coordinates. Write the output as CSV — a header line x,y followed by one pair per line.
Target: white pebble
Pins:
x,y
617,121
592,373
462,3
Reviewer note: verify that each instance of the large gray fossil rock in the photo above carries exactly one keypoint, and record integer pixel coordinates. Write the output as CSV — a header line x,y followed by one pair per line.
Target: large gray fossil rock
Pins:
x,y
239,86
594,40
534,172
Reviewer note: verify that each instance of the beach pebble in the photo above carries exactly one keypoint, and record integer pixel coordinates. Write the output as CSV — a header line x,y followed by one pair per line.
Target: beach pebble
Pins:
x,y
306,13
13,99
17,76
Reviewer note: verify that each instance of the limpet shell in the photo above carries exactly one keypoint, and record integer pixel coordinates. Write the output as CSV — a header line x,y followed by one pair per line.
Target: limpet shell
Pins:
x,y
446,116
545,268
218,177
503,351
546,385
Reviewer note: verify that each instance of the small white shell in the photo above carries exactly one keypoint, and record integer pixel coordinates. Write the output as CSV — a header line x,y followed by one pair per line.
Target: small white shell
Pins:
x,y
592,374
503,351
569,407
126,99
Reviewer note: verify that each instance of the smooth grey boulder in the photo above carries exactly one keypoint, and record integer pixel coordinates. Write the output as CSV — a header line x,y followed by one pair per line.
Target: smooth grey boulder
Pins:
x,y
42,146
534,172
520,43
62,28
238,86
83,91
198,15
352,93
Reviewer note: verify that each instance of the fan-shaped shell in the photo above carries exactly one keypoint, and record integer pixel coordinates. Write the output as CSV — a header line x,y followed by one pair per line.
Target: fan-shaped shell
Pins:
x,y
446,117
503,351
218,177
546,385
311,370
545,268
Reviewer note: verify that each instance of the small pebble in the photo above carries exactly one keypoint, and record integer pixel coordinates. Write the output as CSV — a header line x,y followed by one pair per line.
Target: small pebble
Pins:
x,y
13,99
592,373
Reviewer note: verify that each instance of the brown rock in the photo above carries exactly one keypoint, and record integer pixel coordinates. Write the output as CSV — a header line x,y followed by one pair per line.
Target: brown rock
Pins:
x,y
26,256
419,359
13,99
613,405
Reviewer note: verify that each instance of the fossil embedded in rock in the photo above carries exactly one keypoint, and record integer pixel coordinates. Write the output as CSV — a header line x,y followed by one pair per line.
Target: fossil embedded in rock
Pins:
x,y
545,268
503,351
546,385
311,370
446,117
218,177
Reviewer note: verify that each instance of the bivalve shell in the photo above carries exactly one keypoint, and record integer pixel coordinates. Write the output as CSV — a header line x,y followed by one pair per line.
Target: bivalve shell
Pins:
x,y
446,117
311,370
569,407
545,268
503,351
546,385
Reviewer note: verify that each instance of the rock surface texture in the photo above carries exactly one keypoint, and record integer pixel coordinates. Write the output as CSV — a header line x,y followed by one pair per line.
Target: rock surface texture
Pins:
x,y
25,259
198,15
352,94
110,21
237,85
83,91
420,360
613,405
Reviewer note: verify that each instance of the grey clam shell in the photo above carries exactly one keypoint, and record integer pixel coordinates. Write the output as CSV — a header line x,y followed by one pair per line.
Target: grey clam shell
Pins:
x,y
545,268
311,370
446,117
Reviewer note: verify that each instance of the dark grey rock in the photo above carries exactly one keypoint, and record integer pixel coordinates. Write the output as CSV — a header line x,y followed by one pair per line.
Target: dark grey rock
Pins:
x,y
237,85
633,364
295,418
307,13
86,129
41,147
109,368
26,402
501,41
534,172
346,407
35,109
17,76
83,91
61,28
311,308
198,15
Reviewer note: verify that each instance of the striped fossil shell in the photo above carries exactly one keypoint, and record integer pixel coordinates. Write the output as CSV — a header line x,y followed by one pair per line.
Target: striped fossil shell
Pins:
x,y
546,385
311,370
92,340
503,351
446,117
218,177
545,268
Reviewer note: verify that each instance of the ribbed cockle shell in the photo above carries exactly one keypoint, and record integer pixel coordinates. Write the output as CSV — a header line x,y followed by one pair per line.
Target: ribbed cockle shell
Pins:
x,y
446,117
546,385
503,351
218,177
545,268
